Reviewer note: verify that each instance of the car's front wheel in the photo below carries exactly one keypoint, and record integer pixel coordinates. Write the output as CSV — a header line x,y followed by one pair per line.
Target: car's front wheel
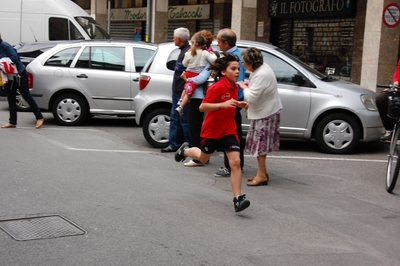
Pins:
x,y
337,134
156,128
70,110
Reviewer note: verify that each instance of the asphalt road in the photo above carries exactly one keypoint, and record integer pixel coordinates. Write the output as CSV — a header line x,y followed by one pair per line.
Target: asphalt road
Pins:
x,y
139,207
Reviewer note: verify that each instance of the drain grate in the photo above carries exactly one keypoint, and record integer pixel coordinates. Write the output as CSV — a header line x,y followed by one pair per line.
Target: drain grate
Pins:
x,y
40,227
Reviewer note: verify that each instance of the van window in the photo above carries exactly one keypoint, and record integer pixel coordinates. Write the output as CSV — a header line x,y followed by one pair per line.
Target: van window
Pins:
x,y
92,28
63,58
105,58
141,57
63,29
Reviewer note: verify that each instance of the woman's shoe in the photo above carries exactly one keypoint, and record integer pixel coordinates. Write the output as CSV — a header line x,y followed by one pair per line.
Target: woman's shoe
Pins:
x,y
8,125
39,123
254,183
251,178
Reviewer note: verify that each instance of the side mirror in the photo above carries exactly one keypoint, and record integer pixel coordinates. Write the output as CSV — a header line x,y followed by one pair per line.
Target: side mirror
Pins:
x,y
298,79
171,65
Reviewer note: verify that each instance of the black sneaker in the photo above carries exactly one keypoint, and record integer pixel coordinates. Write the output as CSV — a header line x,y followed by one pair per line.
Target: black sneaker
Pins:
x,y
180,153
241,203
387,138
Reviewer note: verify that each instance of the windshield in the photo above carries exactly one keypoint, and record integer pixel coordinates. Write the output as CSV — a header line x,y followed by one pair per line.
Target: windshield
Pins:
x,y
315,72
92,28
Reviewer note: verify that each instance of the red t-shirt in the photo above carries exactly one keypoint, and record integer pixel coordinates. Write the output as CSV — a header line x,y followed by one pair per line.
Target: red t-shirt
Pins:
x,y
220,123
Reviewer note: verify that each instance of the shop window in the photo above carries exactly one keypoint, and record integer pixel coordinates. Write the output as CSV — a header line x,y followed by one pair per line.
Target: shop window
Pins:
x,y
177,2
85,4
127,3
321,43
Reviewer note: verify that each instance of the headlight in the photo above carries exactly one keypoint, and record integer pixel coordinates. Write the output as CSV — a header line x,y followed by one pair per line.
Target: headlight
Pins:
x,y
369,102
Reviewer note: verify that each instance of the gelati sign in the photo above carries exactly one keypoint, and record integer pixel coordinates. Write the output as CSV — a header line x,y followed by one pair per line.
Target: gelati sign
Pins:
x,y
189,12
128,14
310,8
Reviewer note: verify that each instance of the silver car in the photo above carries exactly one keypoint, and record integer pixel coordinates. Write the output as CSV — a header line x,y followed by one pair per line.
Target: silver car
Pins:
x,y
79,79
336,113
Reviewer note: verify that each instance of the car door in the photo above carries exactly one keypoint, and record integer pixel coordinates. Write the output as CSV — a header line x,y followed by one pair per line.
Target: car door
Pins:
x,y
296,100
100,72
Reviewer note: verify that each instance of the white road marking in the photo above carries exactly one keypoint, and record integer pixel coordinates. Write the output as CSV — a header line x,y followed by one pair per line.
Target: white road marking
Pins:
x,y
59,144
324,159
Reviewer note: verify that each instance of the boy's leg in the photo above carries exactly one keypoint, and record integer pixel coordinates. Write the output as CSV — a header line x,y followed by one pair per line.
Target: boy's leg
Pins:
x,y
236,172
239,201
197,154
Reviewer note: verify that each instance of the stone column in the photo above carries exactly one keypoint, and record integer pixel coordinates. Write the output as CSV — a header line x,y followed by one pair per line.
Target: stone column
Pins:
x,y
98,10
389,50
380,47
244,19
159,24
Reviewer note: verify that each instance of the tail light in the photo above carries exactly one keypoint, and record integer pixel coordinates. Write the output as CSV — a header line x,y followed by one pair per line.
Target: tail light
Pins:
x,y
30,80
143,81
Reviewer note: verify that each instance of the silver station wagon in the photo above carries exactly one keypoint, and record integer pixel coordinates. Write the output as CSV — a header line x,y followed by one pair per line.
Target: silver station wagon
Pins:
x,y
83,78
336,113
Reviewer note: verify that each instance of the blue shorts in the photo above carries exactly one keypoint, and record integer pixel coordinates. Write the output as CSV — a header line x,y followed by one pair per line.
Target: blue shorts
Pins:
x,y
227,143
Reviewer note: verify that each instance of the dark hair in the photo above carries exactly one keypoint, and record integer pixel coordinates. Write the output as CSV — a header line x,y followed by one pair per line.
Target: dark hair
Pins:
x,y
221,64
252,57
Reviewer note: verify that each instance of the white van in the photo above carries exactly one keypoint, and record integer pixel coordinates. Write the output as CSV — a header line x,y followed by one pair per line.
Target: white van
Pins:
x,y
46,20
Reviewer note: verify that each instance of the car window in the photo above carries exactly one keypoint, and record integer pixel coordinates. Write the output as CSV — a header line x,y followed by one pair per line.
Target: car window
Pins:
x,y
105,58
62,58
283,71
173,56
141,56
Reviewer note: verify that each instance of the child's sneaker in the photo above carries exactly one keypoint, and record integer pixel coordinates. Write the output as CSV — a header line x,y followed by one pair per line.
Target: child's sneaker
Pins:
x,y
180,153
240,203
179,110
179,102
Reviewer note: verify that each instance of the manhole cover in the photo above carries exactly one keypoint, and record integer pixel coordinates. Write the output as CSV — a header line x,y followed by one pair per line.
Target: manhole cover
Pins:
x,y
40,227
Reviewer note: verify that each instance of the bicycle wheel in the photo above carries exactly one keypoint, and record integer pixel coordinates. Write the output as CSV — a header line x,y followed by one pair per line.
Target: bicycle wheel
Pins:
x,y
393,165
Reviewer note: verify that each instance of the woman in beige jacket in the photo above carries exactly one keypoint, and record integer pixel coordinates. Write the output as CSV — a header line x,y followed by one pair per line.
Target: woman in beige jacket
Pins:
x,y
265,106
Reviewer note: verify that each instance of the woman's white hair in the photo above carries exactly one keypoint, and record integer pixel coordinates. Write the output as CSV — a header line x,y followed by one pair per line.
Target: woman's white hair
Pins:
x,y
182,33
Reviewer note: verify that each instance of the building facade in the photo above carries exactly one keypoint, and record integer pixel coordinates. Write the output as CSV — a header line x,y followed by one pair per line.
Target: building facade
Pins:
x,y
358,38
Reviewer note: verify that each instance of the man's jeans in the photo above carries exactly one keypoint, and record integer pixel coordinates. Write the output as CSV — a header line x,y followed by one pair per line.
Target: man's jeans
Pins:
x,y
179,131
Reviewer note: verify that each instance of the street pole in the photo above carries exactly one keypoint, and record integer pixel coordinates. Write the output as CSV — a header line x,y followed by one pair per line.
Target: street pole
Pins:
x,y
148,19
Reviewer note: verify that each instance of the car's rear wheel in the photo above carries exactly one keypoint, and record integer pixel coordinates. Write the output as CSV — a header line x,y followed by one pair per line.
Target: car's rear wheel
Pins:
x,y
156,128
337,133
70,110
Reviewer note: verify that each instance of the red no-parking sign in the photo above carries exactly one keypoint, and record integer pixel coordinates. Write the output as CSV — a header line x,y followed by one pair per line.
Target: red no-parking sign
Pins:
x,y
391,15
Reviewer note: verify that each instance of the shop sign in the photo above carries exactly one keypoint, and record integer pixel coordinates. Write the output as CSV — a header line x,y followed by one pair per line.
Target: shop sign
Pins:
x,y
189,12
310,8
128,14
